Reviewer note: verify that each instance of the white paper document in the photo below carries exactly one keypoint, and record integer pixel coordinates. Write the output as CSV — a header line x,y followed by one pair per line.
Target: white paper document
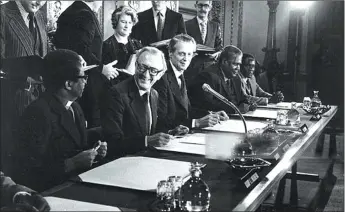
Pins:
x,y
140,173
61,204
262,113
280,105
237,126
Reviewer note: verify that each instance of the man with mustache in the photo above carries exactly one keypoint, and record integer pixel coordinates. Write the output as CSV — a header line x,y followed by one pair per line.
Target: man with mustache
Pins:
x,y
223,78
158,23
205,32
174,106
53,144
129,109
252,89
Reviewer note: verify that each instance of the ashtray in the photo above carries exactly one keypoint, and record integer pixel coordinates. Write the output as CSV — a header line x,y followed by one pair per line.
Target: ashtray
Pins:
x,y
246,163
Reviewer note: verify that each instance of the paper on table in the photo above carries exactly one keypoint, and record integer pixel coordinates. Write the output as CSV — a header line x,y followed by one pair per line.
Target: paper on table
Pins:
x,y
196,138
280,105
188,148
262,113
60,204
236,126
140,173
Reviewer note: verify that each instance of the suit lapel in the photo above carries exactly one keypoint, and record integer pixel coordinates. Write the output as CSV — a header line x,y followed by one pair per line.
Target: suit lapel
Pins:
x,y
19,28
168,20
237,86
43,36
252,86
175,88
150,24
196,29
209,33
65,120
137,106
80,123
224,85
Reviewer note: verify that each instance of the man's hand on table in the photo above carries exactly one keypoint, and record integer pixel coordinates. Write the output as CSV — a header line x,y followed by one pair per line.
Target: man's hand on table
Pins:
x,y
277,97
211,119
179,130
101,148
159,139
30,202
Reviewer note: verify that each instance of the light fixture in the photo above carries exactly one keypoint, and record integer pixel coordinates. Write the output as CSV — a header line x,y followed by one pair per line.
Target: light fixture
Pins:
x,y
301,4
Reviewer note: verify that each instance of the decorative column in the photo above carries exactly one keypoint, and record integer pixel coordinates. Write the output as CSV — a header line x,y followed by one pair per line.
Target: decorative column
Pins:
x,y
230,16
270,62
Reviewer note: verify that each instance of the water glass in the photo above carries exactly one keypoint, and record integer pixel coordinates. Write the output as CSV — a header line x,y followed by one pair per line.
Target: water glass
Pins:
x,y
307,102
162,189
282,117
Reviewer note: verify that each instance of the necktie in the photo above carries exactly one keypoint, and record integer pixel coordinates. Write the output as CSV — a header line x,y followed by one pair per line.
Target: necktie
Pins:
x,y
183,90
249,88
32,29
147,113
159,26
203,31
71,112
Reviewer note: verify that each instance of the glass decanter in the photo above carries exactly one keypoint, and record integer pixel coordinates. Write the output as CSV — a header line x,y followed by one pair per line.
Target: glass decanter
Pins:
x,y
316,101
293,114
194,193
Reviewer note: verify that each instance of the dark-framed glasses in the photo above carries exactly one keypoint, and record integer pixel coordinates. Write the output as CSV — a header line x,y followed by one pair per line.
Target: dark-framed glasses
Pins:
x,y
249,65
207,6
142,68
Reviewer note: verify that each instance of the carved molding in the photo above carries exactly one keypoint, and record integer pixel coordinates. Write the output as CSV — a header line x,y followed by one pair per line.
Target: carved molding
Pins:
x,y
240,24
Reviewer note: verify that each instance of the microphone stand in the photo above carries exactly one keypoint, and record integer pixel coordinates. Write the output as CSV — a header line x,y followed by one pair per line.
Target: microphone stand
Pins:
x,y
208,88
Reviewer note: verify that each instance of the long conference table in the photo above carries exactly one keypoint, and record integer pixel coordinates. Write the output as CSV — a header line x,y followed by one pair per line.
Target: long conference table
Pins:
x,y
128,184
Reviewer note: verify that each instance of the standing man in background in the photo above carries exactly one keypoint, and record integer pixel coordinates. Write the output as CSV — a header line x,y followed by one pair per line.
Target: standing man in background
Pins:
x,y
158,23
22,34
78,29
205,32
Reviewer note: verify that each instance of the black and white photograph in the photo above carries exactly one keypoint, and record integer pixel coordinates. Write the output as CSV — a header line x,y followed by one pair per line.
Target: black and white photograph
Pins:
x,y
163,106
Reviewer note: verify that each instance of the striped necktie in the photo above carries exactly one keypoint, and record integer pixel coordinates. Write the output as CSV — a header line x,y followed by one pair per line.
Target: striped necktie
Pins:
x,y
159,26
203,31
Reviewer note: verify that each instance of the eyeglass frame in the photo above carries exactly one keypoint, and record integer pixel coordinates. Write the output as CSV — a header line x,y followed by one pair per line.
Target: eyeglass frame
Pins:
x,y
147,68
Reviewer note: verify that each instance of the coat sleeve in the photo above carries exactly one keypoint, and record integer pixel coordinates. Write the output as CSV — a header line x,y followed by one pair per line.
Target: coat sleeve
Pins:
x,y
9,189
34,151
181,26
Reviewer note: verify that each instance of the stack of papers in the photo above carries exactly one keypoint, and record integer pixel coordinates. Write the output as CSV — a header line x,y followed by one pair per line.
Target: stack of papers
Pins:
x,y
237,126
60,204
140,173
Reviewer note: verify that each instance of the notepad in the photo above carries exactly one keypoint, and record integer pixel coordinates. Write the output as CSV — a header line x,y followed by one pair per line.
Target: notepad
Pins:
x,y
237,126
262,113
139,173
61,204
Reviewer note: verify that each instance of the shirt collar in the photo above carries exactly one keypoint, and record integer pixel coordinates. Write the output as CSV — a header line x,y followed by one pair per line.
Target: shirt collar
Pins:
x,y
22,10
163,11
177,72
201,21
141,92
68,104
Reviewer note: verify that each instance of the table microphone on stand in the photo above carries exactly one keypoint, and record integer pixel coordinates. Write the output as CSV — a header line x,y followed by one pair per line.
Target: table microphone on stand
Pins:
x,y
208,89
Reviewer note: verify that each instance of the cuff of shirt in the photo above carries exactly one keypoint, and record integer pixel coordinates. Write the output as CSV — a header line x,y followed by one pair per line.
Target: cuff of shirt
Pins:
x,y
145,141
193,123
18,194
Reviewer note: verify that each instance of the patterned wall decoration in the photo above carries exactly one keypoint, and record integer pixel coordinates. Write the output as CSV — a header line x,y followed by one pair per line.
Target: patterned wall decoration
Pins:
x,y
143,5
240,23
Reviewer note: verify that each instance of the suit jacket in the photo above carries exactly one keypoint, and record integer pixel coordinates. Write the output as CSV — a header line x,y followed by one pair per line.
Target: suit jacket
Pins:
x,y
8,189
15,39
213,35
48,136
256,93
145,29
78,29
123,118
214,77
173,109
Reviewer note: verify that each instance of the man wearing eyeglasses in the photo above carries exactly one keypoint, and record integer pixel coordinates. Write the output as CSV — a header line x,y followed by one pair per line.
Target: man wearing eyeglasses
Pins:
x,y
222,77
205,32
174,106
52,143
252,90
129,109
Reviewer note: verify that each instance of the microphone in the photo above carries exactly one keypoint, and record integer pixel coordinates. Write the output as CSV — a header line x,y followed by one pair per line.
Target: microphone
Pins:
x,y
208,89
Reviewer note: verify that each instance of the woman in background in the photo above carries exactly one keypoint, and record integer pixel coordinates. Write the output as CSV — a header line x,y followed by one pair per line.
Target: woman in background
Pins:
x,y
121,46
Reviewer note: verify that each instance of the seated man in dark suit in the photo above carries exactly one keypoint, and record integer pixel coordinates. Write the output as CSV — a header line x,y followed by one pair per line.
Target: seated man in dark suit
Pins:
x,y
52,142
158,23
223,78
16,197
205,32
174,106
129,109
252,90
